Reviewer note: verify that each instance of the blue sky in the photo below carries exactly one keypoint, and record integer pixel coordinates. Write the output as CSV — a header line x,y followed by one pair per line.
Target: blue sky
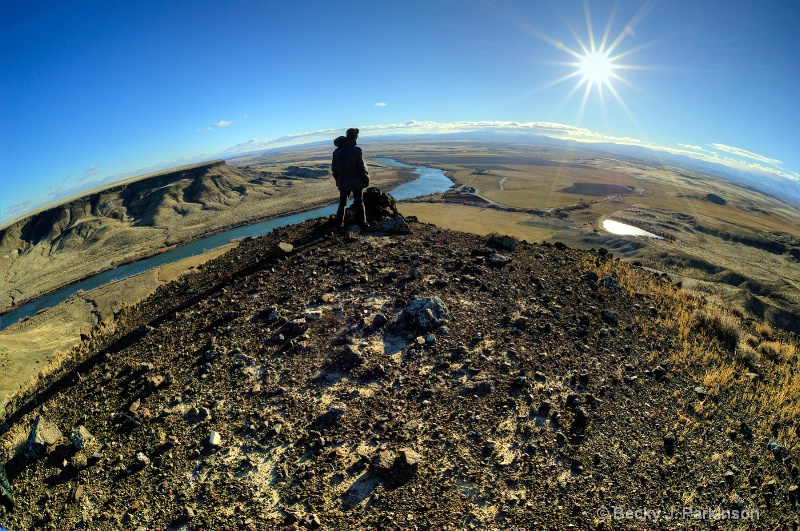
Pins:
x,y
97,90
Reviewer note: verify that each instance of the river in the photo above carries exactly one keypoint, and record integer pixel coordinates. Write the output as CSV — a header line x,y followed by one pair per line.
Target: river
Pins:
x,y
430,181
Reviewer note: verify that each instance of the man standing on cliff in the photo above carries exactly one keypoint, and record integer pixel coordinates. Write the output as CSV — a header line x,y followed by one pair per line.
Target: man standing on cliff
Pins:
x,y
351,177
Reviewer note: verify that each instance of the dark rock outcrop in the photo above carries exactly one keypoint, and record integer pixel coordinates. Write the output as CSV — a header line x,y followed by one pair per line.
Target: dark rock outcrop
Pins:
x,y
379,205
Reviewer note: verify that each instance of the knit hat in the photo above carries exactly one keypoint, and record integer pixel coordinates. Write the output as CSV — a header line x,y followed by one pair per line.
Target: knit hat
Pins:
x,y
352,133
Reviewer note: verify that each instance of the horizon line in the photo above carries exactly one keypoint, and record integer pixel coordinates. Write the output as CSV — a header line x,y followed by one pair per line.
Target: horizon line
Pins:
x,y
413,128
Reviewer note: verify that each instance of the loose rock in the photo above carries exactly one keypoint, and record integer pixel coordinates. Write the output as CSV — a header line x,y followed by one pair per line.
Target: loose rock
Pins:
x,y
43,434
80,437
426,313
214,439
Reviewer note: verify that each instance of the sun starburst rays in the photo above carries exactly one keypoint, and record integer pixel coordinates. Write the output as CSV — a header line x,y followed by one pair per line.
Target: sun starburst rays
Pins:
x,y
594,61
597,65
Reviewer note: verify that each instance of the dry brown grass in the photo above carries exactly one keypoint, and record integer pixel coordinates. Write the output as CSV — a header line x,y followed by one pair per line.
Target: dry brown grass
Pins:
x,y
765,330
720,377
541,186
722,327
750,340
778,351
478,220
738,311
718,350
747,356
778,397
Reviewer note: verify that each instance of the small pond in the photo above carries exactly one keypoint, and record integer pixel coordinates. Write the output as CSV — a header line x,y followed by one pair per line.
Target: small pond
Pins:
x,y
615,227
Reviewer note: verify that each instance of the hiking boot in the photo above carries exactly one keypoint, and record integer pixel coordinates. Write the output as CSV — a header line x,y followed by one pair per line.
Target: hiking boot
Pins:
x,y
6,499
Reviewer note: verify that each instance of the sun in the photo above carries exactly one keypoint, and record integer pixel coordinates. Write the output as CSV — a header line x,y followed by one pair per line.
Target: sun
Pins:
x,y
596,67
597,61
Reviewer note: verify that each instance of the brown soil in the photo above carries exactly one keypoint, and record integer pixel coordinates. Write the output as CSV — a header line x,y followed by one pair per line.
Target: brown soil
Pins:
x,y
280,389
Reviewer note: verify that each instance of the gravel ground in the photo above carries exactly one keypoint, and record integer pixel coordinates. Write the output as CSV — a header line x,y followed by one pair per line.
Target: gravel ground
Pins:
x,y
434,380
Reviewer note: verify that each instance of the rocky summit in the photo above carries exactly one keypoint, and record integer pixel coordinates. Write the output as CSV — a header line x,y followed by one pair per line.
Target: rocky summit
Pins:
x,y
427,380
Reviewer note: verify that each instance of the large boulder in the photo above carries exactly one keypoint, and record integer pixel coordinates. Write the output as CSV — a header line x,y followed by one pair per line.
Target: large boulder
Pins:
x,y
503,242
396,468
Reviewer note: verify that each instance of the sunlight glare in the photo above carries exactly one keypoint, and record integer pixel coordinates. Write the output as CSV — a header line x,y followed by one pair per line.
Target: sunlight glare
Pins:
x,y
596,61
596,67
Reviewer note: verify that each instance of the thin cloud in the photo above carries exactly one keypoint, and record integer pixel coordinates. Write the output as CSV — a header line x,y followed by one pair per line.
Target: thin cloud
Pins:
x,y
221,123
180,160
731,162
88,173
698,148
747,154
551,129
15,209
255,144
55,193
755,167
689,146
380,104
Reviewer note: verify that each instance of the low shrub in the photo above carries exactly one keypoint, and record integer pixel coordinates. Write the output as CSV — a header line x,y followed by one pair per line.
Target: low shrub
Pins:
x,y
747,356
765,330
724,328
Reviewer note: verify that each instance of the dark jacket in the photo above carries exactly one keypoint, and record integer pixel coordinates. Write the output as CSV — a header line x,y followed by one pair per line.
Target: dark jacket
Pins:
x,y
348,166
